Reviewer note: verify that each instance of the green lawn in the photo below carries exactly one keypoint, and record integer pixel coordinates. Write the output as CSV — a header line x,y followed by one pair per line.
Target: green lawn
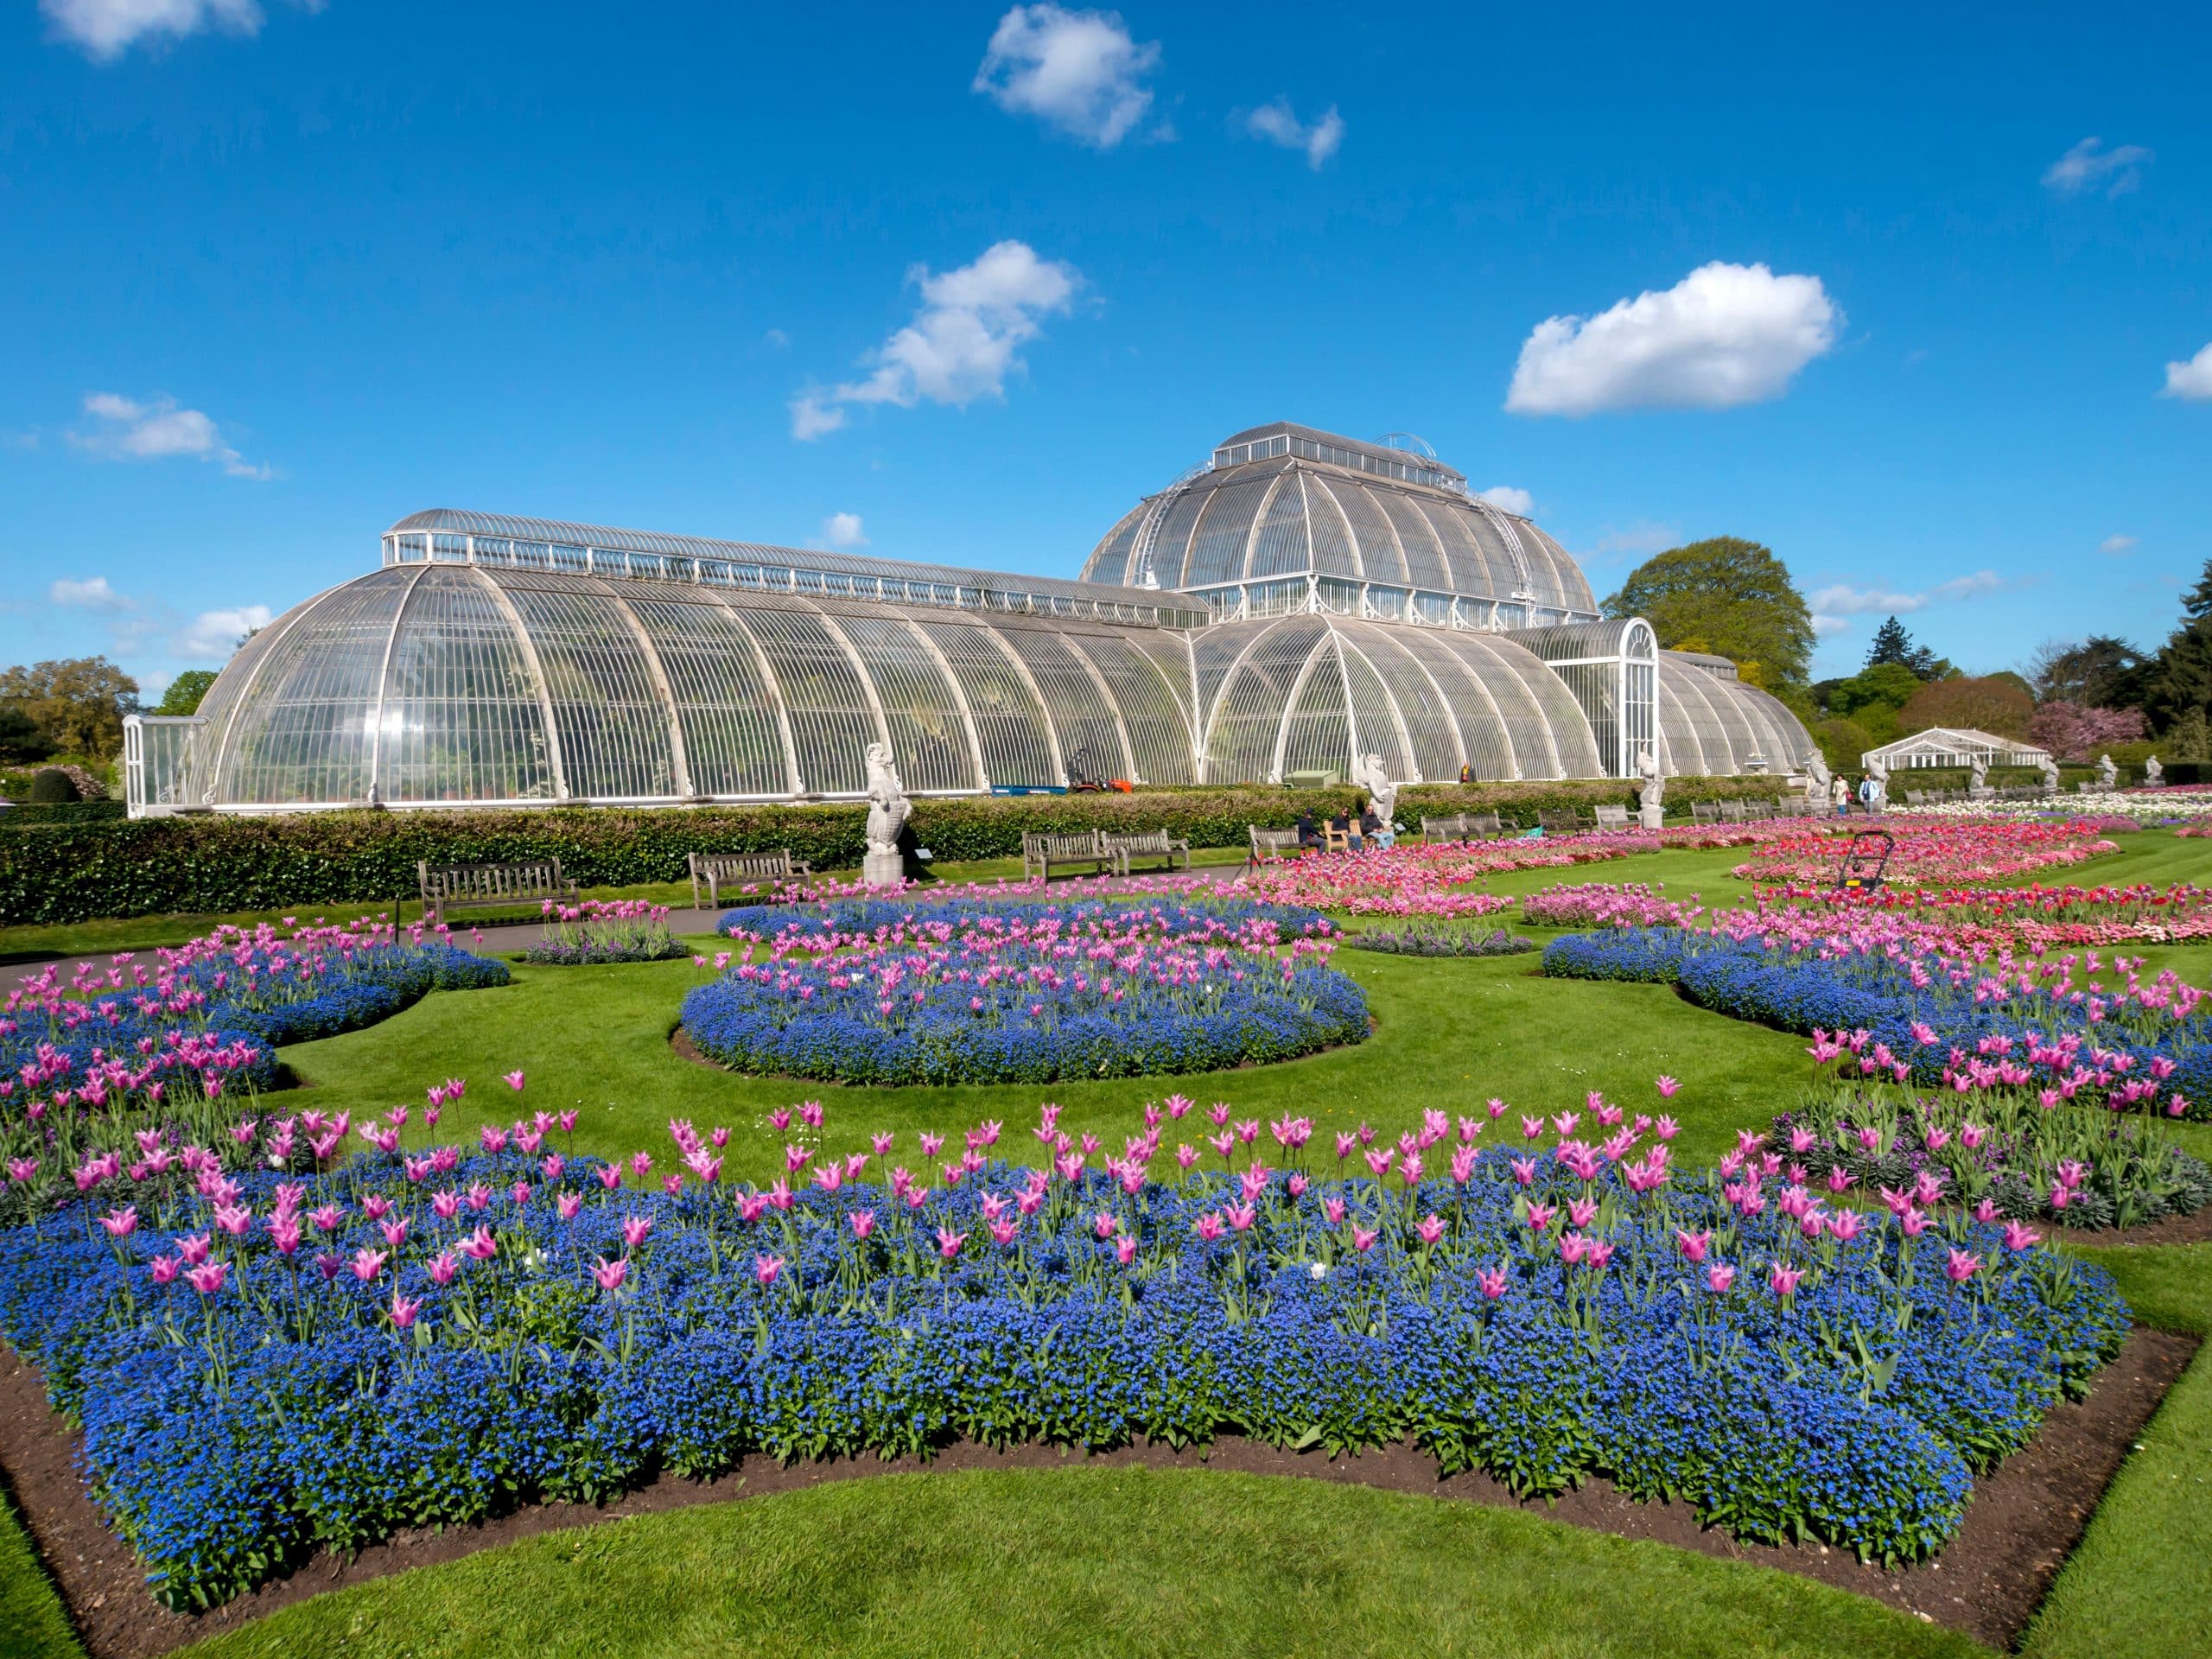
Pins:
x,y
1112,1561
1088,1561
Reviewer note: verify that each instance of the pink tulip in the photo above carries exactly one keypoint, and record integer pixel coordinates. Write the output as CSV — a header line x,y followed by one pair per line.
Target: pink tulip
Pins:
x,y
1962,1267
514,1080
1362,1238
609,1275
367,1264
2018,1236
1692,1245
1784,1281
443,1267
1667,1087
949,1243
1720,1276
1429,1228
1491,1283
208,1278
164,1268
766,1267
635,1229
863,1223
1125,1249
403,1311
480,1246
1207,1227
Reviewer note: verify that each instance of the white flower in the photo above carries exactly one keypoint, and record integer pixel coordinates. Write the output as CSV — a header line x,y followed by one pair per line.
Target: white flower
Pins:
x,y
1319,1270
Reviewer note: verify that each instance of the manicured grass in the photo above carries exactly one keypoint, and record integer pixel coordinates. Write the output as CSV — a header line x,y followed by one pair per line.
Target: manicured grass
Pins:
x,y
1450,1035
1088,1561
32,1623
2141,1582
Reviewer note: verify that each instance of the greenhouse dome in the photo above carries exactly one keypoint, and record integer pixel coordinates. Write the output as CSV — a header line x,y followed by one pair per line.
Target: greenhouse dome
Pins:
x,y
493,660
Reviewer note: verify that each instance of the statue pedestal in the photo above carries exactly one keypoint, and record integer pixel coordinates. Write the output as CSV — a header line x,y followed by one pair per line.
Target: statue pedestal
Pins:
x,y
1651,817
883,870
1982,792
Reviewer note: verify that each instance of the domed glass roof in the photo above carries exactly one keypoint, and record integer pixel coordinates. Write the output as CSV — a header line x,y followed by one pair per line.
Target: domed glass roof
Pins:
x,y
1284,500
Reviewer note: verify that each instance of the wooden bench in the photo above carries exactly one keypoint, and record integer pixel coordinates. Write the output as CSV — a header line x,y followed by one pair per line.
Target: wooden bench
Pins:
x,y
1567,822
1462,826
1084,849
717,869
442,887
1705,811
1731,811
1146,843
1611,817
1269,846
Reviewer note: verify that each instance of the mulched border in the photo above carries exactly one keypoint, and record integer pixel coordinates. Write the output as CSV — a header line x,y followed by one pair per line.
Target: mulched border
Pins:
x,y
2022,1524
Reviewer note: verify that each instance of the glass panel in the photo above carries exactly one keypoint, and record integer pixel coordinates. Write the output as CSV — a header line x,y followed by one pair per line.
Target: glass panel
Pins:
x,y
1217,550
927,734
1009,720
1279,548
462,721
832,723
1332,544
1082,716
1379,554
728,708
1425,566
1160,734
612,720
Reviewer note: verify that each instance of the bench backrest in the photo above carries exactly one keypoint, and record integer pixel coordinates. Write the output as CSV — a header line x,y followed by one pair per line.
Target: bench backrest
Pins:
x,y
1705,811
1731,811
1613,817
723,865
1082,844
1137,841
1445,829
1266,842
531,879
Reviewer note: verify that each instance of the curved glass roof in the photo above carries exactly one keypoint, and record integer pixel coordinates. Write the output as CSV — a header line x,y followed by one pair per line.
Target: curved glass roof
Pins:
x,y
1299,502
1715,727
460,683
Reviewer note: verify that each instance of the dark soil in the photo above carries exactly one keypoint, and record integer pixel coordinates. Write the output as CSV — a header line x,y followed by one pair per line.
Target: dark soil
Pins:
x,y
2024,1521
2172,1229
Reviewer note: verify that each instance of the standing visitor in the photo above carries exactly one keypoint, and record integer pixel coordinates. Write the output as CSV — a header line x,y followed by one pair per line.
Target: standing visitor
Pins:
x,y
1839,796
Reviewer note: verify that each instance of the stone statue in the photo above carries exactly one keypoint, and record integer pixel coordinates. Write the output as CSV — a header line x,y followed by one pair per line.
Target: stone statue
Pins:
x,y
1817,779
2050,767
1978,785
888,810
1650,790
2154,775
2108,773
1370,775
1878,774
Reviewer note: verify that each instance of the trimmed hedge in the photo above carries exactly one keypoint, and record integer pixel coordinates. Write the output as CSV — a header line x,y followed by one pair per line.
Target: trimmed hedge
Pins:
x,y
73,872
27,812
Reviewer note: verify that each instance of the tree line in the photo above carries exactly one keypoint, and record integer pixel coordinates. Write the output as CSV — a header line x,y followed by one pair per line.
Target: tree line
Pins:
x,y
2078,698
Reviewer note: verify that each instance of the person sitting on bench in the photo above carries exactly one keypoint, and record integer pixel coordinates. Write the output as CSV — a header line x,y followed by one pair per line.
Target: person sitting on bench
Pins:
x,y
1374,829
1342,825
1309,833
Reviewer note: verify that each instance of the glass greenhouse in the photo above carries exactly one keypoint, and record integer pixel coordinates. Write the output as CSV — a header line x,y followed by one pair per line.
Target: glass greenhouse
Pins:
x,y
1303,599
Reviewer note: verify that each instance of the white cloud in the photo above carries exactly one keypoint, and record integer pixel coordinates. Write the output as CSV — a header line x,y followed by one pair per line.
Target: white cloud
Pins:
x,y
2192,380
92,594
1279,123
775,339
1842,599
2116,546
106,29
1831,605
1078,71
1507,497
131,430
2090,165
843,530
1724,335
212,636
963,342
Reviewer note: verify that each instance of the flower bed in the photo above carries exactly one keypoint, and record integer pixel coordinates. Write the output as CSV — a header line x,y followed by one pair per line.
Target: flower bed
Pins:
x,y
1423,937
1942,1008
267,1365
1608,903
2035,915
89,1061
1032,994
1413,880
2137,807
1961,850
603,930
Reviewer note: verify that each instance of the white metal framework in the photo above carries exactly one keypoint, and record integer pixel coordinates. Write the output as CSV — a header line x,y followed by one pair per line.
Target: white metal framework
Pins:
x,y
1957,745
501,661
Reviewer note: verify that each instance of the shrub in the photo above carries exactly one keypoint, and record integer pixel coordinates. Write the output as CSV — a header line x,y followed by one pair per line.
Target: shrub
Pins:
x,y
214,863
51,786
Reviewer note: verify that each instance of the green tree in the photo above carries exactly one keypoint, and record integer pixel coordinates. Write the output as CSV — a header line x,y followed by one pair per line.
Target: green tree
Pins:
x,y
1727,595
184,692
2102,671
2180,680
22,740
1892,645
1989,704
80,702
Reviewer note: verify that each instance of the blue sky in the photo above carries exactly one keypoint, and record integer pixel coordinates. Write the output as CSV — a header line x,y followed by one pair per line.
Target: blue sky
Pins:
x,y
966,282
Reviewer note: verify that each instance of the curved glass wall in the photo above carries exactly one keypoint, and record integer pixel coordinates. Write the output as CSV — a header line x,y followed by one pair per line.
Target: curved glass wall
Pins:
x,y
1718,726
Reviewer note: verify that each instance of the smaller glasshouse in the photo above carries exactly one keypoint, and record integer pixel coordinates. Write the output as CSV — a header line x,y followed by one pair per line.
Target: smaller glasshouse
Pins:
x,y
1956,746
